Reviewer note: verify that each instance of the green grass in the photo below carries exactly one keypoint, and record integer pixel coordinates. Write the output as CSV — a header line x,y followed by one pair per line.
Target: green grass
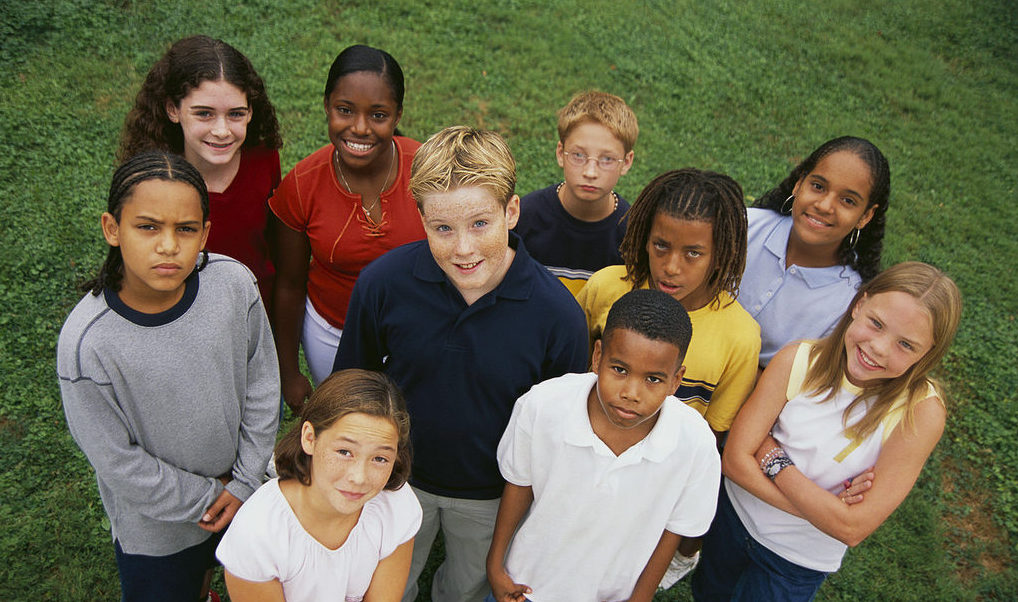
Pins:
x,y
744,88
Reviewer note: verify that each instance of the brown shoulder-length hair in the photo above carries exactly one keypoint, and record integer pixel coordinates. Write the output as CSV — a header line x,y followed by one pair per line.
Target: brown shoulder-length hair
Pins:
x,y
352,391
184,67
939,295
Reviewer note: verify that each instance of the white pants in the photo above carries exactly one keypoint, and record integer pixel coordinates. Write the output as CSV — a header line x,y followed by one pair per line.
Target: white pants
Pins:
x,y
467,527
320,340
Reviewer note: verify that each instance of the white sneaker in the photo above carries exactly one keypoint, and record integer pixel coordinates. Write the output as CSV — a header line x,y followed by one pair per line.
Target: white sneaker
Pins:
x,y
678,568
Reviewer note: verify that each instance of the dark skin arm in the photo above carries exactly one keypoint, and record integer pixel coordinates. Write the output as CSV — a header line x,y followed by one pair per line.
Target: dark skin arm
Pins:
x,y
515,502
291,255
656,566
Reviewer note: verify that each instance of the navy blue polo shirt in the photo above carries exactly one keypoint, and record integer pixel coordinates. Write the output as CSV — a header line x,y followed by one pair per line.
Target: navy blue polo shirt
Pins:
x,y
461,368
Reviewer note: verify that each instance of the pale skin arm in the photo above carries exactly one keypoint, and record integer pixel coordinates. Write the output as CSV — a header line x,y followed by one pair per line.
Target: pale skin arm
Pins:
x,y
389,580
752,425
291,254
515,502
651,576
900,461
242,590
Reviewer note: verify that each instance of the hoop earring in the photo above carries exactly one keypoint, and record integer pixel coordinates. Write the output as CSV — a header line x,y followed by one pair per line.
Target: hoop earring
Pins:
x,y
786,207
853,238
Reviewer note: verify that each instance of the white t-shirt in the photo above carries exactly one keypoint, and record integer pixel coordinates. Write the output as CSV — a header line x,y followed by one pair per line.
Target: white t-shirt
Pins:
x,y
266,541
597,517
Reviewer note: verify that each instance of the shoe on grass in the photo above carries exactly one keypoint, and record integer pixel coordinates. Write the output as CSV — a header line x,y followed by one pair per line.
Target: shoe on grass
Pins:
x,y
678,568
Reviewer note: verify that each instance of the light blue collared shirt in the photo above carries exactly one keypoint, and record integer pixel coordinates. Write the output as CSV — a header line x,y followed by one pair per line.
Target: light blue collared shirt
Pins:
x,y
793,303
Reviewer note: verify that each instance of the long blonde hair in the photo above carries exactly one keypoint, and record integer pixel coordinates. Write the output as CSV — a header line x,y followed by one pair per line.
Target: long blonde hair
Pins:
x,y
939,295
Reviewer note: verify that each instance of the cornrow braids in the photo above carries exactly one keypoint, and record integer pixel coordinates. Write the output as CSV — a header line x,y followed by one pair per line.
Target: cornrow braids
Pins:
x,y
865,257
152,165
695,195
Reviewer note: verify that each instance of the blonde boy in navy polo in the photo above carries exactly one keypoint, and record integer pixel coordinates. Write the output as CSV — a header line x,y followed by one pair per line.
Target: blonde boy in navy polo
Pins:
x,y
606,472
465,322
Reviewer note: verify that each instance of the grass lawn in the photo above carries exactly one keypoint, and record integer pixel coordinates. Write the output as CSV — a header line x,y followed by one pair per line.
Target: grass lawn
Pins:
x,y
747,88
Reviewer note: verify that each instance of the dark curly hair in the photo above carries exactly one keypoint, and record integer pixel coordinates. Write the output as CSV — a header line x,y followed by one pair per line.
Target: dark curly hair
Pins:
x,y
184,67
691,194
652,314
153,165
350,391
865,257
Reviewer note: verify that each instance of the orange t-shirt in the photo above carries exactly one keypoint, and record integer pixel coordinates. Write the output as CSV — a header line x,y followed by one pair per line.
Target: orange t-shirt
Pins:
x,y
343,241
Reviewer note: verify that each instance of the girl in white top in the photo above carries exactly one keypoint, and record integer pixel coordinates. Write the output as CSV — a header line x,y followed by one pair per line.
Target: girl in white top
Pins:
x,y
821,413
337,524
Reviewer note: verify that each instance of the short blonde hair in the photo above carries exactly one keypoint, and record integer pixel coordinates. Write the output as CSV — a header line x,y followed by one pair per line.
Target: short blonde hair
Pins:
x,y
463,156
602,108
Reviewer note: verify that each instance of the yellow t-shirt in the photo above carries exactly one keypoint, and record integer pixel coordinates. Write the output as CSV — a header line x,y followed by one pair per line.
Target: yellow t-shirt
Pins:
x,y
721,362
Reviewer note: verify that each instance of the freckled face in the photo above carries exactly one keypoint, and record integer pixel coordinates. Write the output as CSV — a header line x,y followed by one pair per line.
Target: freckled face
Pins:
x,y
351,461
888,334
830,202
214,118
363,116
634,376
681,253
160,234
468,234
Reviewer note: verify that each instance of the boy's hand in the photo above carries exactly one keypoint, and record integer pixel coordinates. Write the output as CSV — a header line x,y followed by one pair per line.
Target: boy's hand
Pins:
x,y
854,489
220,513
503,588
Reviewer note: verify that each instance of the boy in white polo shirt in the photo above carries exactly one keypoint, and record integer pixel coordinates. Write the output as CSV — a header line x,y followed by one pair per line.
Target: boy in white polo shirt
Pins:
x,y
613,469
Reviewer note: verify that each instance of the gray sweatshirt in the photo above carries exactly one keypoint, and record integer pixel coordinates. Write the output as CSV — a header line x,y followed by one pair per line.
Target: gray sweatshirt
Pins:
x,y
163,404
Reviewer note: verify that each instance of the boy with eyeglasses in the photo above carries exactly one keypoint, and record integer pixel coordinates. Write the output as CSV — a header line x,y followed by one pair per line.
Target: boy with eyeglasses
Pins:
x,y
574,228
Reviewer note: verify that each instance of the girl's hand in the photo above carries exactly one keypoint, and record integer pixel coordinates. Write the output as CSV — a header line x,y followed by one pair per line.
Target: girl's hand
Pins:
x,y
503,588
296,390
854,489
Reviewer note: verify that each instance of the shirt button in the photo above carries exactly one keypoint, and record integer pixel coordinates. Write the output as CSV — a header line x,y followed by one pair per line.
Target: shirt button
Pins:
x,y
791,269
769,293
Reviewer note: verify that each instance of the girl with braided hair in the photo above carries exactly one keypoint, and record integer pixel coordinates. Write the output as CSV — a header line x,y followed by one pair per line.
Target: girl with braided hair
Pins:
x,y
813,240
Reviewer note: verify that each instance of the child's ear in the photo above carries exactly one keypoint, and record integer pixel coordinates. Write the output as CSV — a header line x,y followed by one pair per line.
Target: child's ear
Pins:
x,y
866,216
172,111
399,115
627,164
205,234
677,379
307,438
595,357
858,305
512,211
111,229
559,156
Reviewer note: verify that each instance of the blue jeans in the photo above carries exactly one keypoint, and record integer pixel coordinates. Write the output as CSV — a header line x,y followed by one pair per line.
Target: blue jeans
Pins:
x,y
175,578
734,566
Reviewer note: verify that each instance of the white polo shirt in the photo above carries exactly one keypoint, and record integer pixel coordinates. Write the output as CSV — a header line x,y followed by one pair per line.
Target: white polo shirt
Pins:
x,y
597,517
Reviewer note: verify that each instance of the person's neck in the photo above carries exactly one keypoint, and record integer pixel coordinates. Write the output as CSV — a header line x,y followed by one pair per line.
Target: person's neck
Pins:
x,y
317,516
809,256
587,211
150,302
217,177
617,439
